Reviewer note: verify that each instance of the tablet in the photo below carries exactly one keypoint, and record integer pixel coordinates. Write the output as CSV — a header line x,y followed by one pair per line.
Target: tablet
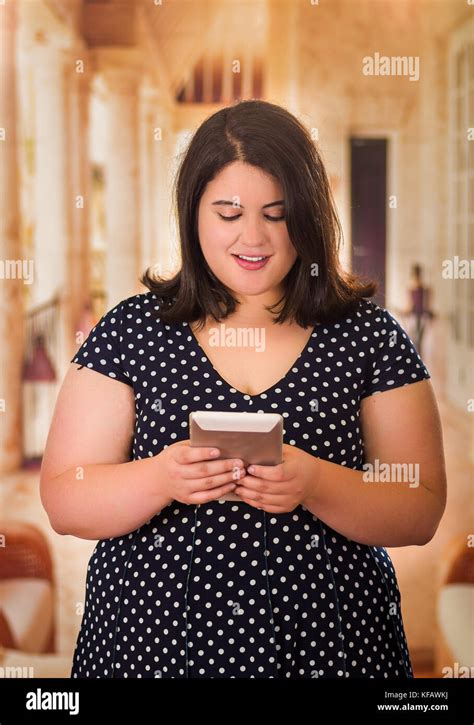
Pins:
x,y
253,437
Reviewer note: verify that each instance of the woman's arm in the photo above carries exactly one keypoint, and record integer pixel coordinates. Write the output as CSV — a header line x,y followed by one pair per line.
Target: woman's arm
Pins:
x,y
88,485
399,426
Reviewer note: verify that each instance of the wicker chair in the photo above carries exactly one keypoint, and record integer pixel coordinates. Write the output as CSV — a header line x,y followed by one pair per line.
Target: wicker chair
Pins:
x,y
25,556
455,607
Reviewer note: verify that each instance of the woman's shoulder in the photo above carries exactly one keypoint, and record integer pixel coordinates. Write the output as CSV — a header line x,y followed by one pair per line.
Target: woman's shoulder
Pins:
x,y
367,316
146,302
141,308
136,316
124,336
372,327
140,317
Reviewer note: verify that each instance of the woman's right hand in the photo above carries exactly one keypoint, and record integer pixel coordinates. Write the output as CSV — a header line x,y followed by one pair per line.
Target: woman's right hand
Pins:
x,y
191,474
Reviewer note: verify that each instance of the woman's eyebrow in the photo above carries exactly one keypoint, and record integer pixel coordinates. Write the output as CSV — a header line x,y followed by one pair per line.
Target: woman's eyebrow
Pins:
x,y
281,202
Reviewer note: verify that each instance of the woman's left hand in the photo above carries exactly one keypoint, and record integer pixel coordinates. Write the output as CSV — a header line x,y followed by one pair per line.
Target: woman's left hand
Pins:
x,y
281,488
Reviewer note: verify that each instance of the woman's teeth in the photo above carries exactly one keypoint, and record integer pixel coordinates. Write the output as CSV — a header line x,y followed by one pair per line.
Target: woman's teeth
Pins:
x,y
245,261
250,259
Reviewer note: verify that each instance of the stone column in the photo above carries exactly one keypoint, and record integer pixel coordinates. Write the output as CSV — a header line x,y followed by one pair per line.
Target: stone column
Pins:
x,y
78,80
281,77
149,174
227,75
163,157
122,72
51,189
52,201
11,307
11,298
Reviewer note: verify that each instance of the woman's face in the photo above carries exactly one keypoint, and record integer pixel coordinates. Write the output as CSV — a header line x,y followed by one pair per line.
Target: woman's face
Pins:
x,y
238,215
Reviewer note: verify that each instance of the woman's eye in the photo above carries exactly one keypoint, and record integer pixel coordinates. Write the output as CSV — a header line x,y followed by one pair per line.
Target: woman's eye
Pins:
x,y
270,218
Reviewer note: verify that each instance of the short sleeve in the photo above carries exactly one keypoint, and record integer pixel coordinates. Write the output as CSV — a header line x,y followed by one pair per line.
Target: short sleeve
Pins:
x,y
101,351
393,358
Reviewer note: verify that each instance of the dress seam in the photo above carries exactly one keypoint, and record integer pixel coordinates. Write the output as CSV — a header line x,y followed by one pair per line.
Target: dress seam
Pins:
x,y
114,646
186,664
336,597
399,610
272,618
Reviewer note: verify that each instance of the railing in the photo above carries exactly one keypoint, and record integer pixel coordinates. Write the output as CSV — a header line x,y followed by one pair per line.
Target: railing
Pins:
x,y
43,321
213,80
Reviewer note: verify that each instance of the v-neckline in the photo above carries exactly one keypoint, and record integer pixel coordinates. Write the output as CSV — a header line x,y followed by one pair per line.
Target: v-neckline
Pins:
x,y
208,362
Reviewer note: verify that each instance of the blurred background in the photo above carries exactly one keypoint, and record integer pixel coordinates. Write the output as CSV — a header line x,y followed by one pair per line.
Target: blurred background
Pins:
x,y
97,101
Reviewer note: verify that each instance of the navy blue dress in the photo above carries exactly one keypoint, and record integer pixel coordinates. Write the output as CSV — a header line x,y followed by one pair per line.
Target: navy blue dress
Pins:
x,y
224,589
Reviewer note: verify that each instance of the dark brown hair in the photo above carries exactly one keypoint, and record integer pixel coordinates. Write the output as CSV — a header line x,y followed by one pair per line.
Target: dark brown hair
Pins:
x,y
269,137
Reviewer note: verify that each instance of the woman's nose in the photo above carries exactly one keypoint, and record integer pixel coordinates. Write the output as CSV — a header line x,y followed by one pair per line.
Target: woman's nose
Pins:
x,y
253,233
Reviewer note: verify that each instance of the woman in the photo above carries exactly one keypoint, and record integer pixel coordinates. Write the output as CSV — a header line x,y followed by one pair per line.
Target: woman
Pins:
x,y
292,580
418,305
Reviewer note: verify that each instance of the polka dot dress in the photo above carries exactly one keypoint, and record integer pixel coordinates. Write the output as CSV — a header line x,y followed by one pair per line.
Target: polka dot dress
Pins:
x,y
224,589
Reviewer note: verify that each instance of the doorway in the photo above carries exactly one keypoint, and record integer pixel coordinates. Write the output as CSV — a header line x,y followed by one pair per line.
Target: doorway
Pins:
x,y
368,159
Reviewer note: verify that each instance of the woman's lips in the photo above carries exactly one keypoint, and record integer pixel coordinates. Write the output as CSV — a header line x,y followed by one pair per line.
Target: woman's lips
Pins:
x,y
247,264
